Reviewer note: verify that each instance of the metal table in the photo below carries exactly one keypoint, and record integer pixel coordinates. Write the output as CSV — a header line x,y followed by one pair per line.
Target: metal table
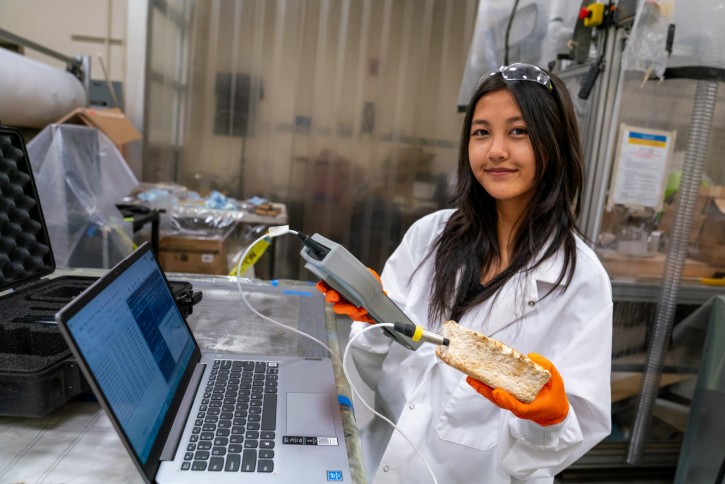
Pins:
x,y
77,443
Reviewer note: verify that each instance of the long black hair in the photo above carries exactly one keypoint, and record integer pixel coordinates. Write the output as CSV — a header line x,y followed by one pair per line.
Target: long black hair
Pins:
x,y
469,244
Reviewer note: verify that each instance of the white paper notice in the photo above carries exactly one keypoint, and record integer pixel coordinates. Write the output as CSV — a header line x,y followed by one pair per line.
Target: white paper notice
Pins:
x,y
641,166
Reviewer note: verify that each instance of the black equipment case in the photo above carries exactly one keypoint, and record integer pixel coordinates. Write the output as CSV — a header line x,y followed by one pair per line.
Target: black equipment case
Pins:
x,y
37,371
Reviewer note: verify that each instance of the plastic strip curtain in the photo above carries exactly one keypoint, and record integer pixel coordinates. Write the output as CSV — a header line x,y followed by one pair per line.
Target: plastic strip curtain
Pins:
x,y
343,110
167,87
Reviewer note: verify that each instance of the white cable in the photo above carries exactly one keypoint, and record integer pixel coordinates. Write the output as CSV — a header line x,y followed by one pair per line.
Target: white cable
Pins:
x,y
274,232
282,230
390,422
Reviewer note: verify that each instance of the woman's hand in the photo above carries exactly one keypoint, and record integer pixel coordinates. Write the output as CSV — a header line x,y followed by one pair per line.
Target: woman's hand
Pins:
x,y
340,305
548,408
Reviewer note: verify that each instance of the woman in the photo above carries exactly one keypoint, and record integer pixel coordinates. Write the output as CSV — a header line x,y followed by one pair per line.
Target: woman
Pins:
x,y
506,263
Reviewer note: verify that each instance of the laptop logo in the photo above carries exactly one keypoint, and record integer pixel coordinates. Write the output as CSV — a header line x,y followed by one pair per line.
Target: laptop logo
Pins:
x,y
334,476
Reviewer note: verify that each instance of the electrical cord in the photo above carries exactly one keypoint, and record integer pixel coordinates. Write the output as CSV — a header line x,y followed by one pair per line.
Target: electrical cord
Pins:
x,y
508,32
390,422
274,232
283,230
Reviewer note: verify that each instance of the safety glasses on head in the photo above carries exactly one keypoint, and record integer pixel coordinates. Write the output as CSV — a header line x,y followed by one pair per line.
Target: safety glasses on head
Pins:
x,y
521,72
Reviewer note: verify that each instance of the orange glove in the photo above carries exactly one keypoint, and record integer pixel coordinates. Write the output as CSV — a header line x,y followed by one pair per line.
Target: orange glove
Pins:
x,y
548,408
340,305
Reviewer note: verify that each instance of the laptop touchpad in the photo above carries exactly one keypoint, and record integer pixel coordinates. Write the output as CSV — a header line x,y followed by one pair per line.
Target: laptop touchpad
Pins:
x,y
309,414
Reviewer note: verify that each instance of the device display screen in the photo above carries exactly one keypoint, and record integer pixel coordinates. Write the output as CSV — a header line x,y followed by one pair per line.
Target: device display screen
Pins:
x,y
137,344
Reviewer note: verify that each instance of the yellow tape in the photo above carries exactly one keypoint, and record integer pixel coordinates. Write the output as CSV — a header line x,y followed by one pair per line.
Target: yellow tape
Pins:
x,y
712,281
253,256
418,333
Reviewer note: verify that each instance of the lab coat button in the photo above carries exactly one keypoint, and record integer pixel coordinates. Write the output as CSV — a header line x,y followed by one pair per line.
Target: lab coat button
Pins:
x,y
386,469
411,406
532,304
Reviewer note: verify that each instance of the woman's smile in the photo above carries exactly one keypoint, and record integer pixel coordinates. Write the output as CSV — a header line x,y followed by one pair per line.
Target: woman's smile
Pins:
x,y
500,172
499,149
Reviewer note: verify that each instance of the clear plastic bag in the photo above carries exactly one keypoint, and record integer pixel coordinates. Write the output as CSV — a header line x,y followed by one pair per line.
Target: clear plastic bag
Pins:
x,y
80,177
646,48
489,47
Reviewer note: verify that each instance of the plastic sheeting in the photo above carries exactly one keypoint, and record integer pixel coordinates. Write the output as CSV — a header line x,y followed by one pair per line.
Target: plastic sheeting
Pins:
x,y
349,119
645,49
185,212
539,31
80,177
699,34
699,39
34,94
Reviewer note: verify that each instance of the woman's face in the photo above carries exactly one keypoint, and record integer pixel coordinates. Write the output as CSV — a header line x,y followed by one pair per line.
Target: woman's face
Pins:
x,y
500,152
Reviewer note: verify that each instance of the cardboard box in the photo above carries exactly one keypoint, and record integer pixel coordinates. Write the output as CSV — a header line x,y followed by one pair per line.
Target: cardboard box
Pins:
x,y
707,219
712,233
698,218
195,254
111,122
712,254
711,238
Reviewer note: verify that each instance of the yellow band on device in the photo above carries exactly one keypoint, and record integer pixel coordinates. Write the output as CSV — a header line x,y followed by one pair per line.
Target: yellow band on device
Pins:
x,y
418,333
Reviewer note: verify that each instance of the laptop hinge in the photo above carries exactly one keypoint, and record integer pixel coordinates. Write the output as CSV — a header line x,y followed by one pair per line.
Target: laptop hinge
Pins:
x,y
177,429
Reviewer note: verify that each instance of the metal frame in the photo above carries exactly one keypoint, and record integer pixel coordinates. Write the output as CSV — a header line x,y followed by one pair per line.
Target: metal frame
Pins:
x,y
600,129
162,7
609,105
647,292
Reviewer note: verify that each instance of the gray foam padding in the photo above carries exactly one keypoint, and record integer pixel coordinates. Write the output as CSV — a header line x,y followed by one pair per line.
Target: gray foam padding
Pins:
x,y
25,256
24,246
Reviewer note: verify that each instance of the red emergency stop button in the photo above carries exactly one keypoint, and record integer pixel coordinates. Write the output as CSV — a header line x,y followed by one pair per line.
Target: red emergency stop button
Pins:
x,y
592,14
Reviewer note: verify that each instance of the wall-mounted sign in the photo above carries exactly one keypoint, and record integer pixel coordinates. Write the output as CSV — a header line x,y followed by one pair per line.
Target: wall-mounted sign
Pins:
x,y
640,167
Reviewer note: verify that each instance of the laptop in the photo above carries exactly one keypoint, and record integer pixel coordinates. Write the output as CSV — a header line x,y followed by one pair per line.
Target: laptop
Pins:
x,y
185,416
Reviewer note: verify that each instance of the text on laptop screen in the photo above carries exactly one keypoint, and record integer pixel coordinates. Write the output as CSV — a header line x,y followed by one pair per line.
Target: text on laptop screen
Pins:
x,y
136,343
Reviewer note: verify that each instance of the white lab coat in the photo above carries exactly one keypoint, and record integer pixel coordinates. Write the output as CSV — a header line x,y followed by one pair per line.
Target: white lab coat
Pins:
x,y
464,437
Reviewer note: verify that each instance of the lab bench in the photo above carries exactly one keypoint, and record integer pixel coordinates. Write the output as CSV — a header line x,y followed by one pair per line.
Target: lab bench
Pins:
x,y
77,443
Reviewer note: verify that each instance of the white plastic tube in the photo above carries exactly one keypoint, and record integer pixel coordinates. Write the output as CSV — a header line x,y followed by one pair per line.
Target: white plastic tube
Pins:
x,y
34,94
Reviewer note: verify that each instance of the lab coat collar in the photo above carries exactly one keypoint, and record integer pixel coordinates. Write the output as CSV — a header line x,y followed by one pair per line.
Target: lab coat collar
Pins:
x,y
548,271
517,299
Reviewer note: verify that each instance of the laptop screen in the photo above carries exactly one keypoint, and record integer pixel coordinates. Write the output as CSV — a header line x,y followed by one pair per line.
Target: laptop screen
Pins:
x,y
137,345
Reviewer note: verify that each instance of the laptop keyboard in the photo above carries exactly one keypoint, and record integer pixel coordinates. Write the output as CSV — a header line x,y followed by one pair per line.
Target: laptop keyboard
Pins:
x,y
235,424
